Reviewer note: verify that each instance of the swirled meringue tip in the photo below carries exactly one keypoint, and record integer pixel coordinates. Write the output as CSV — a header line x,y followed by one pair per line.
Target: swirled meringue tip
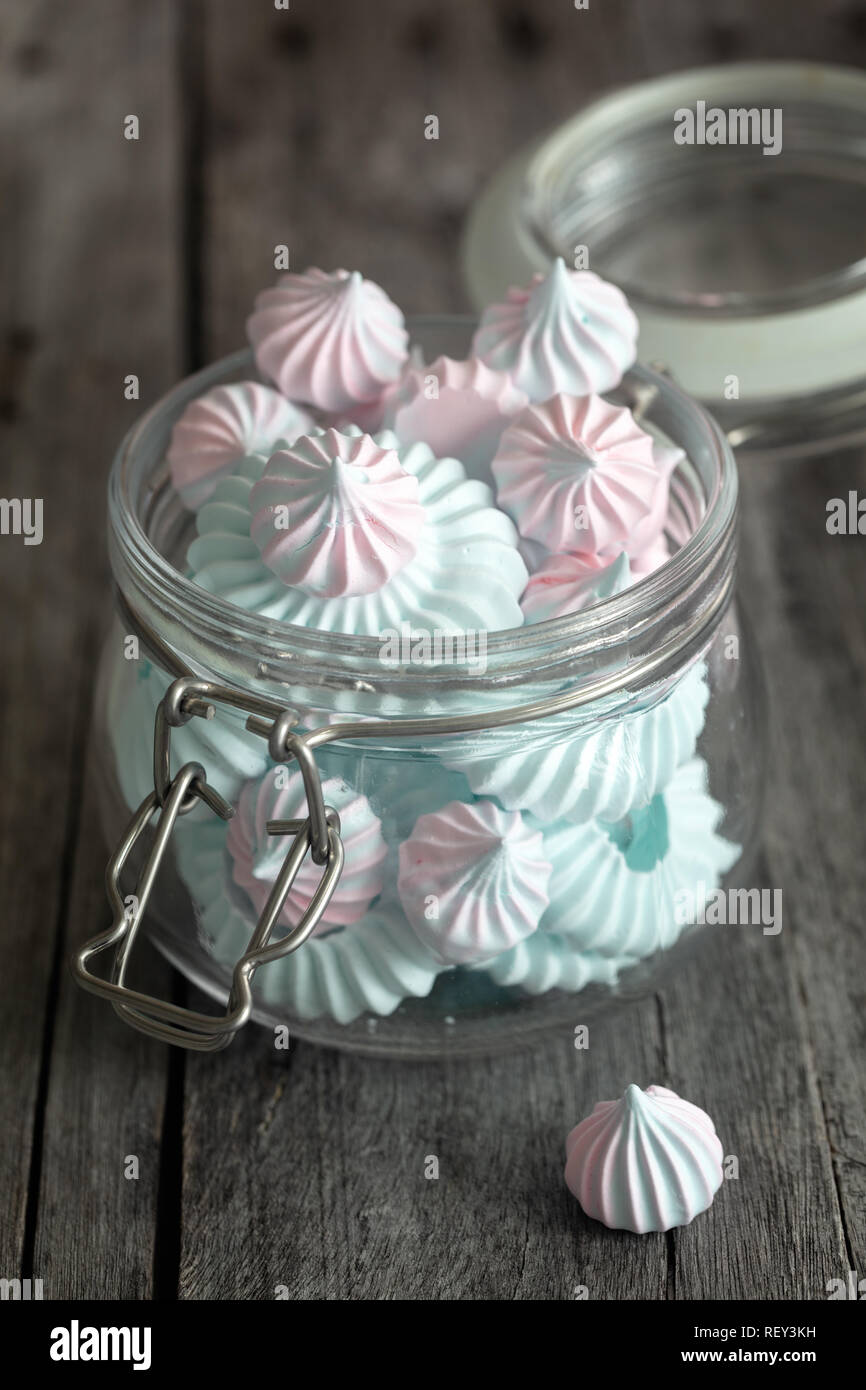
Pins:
x,y
568,331
472,881
331,340
256,857
217,430
459,408
567,583
578,473
465,580
336,515
647,1162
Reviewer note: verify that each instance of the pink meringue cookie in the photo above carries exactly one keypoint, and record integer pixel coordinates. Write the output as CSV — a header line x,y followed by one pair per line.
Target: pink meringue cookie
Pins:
x,y
257,857
647,533
647,1162
567,583
336,514
652,558
473,881
458,408
330,340
222,427
578,474
570,331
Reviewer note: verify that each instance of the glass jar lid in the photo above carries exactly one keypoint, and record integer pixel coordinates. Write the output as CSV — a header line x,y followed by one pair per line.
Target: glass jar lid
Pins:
x,y
729,203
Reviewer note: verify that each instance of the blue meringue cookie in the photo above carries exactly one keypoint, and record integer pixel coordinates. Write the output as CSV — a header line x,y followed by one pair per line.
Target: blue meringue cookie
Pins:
x,y
544,962
227,752
558,772
372,965
616,888
466,575
614,885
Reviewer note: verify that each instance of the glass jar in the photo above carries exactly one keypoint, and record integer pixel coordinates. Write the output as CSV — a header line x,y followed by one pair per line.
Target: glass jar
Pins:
x,y
640,788
738,257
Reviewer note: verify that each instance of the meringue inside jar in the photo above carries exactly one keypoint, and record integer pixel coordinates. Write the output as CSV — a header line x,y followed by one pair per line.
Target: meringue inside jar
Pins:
x,y
567,855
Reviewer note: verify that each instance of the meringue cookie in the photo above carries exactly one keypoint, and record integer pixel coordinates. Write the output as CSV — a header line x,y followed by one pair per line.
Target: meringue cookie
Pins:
x,y
372,965
559,771
647,561
615,886
370,968
647,1162
543,962
352,515
567,583
472,881
458,408
569,331
333,341
648,533
579,474
218,429
466,576
257,857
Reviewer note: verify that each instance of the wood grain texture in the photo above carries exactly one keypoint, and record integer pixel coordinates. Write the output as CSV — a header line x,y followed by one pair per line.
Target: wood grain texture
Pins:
x,y
323,1158
306,1172
90,293
807,590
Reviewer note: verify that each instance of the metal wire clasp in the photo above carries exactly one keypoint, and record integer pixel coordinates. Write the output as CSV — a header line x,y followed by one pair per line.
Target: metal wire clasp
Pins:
x,y
173,797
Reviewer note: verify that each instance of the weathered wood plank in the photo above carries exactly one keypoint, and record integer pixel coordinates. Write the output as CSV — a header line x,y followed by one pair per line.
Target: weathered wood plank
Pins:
x,y
318,1183
738,1046
807,588
90,293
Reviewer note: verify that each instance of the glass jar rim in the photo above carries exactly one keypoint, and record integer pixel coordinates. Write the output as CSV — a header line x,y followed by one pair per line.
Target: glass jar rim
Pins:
x,y
608,168
698,576
613,119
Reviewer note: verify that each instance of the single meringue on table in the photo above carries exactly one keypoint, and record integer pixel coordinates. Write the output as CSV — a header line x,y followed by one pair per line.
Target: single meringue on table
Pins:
x,y
217,430
578,473
646,1162
466,575
569,331
459,408
332,341
352,515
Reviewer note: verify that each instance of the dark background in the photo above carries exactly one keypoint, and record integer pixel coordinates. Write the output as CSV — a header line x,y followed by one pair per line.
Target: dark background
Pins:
x,y
260,127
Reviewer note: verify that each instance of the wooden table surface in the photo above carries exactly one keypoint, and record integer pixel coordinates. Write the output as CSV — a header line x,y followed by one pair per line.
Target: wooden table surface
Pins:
x,y
259,1169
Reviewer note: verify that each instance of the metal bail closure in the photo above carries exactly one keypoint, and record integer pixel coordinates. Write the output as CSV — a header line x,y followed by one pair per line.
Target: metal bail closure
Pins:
x,y
171,798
